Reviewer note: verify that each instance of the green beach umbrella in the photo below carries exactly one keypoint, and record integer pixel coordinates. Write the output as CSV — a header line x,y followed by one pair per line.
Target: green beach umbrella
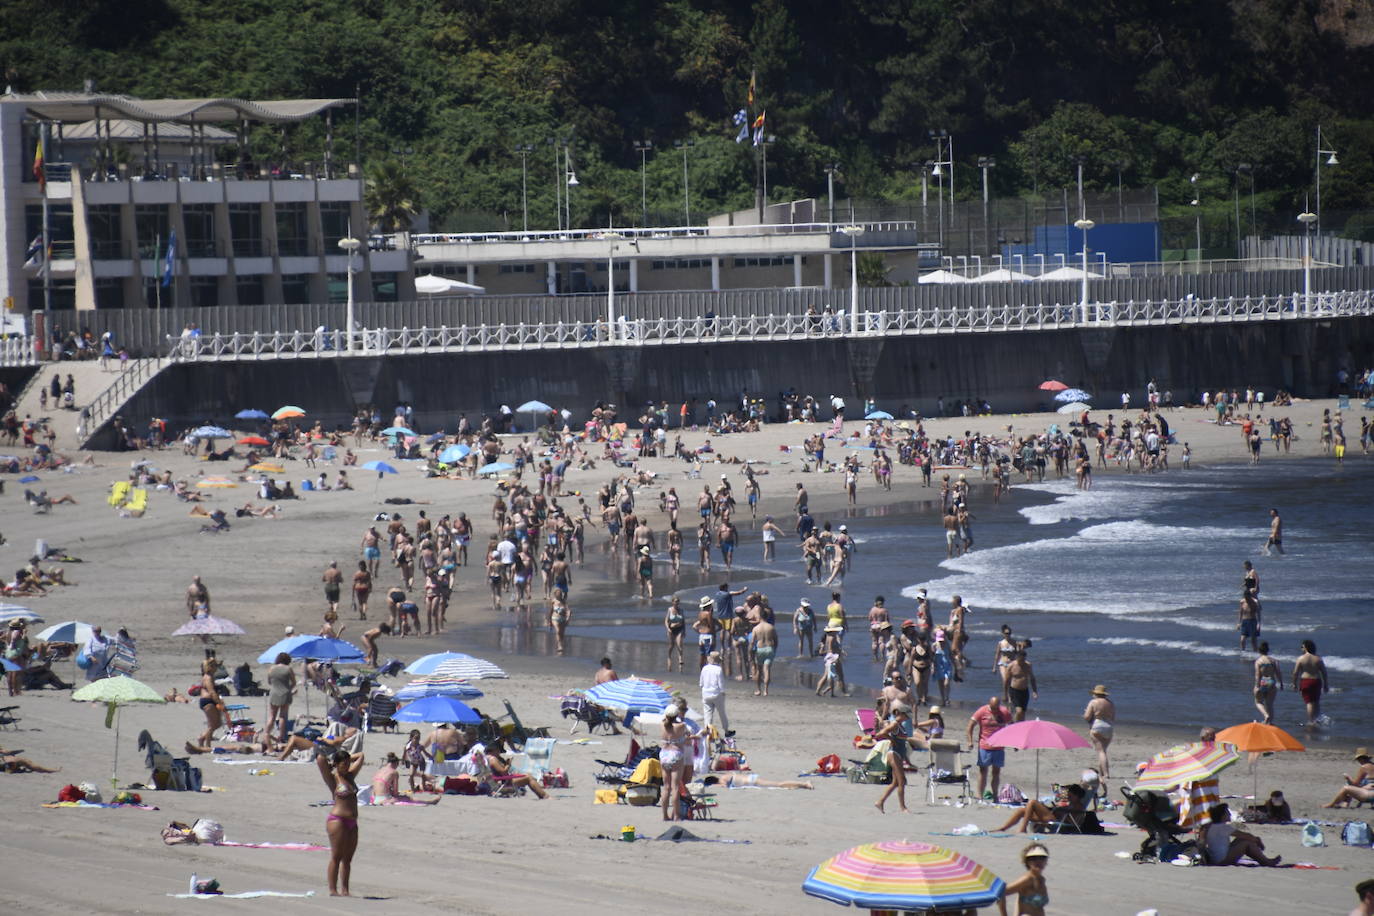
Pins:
x,y
115,692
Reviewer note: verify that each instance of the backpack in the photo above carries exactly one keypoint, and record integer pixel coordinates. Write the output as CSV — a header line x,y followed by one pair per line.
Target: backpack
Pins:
x,y
1312,835
70,793
1356,833
1009,794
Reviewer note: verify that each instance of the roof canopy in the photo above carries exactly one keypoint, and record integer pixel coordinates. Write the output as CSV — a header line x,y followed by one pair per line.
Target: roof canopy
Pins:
x,y
81,106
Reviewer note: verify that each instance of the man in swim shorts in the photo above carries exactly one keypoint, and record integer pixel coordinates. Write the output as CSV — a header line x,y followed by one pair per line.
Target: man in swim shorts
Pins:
x,y
1309,679
763,641
333,580
1275,539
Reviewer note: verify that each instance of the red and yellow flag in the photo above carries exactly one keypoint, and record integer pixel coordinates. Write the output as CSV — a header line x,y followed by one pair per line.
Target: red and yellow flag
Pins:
x,y
751,88
38,173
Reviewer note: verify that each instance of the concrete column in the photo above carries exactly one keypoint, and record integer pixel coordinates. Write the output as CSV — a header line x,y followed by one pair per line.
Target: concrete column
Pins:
x,y
552,281
829,271
634,275
796,270
715,274
472,274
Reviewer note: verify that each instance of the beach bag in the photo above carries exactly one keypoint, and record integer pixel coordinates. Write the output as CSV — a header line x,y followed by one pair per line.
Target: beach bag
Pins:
x,y
178,834
1009,794
90,793
208,832
1356,833
830,763
1312,835
556,779
70,793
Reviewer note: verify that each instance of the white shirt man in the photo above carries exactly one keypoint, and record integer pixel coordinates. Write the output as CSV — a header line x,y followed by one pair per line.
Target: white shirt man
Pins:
x,y
712,681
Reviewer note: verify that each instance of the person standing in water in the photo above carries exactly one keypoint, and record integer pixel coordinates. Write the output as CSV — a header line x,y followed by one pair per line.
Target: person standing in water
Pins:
x,y
1275,539
1268,683
1309,679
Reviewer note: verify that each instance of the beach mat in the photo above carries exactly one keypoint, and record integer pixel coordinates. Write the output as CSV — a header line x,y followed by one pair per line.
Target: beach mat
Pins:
x,y
303,847
245,895
86,804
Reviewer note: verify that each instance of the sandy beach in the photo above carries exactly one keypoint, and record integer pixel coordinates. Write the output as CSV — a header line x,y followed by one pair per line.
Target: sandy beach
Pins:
x,y
485,855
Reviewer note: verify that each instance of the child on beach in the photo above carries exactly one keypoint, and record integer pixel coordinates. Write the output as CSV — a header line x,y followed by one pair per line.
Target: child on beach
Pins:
x,y
833,672
414,755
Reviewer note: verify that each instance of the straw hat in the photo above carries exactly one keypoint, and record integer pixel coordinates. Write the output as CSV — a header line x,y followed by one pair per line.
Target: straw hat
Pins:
x,y
706,602
1361,752
1100,691
934,710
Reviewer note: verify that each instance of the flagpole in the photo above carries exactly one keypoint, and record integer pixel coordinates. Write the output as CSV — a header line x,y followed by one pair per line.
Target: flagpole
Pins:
x,y
47,230
157,287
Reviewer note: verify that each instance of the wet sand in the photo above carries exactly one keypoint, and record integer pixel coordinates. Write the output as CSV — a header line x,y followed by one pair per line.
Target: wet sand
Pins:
x,y
484,855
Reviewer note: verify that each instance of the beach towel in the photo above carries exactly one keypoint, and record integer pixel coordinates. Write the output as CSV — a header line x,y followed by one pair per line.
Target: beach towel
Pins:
x,y
245,895
86,804
243,762
981,833
303,847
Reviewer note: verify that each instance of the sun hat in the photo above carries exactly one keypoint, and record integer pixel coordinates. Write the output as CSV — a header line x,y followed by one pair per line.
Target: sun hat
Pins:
x,y
806,602
644,549
908,623
706,601
1035,851
934,710
1100,691
1361,752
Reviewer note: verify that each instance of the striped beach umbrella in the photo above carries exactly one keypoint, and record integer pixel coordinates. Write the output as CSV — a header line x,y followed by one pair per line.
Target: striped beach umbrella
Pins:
x,y
438,685
10,612
287,412
903,876
209,625
632,694
1194,762
468,668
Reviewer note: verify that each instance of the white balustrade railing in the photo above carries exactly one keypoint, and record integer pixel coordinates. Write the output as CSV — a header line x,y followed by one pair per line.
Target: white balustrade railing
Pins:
x,y
18,350
626,331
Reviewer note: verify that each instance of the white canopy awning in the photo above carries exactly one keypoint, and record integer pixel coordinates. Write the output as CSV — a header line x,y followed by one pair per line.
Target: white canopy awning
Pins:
x,y
430,285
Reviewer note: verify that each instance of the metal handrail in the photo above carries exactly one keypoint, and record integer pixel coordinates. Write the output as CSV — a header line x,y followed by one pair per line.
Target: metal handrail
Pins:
x,y
993,318
128,382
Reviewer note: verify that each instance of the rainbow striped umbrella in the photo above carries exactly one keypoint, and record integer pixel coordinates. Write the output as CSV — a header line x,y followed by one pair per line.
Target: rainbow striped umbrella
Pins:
x,y
902,875
1185,763
216,483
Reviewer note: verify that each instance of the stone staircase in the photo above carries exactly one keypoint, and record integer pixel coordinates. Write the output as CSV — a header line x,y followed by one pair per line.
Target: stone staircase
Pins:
x,y
102,391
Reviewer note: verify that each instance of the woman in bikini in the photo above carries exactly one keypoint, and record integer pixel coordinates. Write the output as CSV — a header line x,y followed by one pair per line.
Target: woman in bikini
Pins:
x,y
673,757
340,772
362,589
1268,683
210,703
676,624
1033,894
897,730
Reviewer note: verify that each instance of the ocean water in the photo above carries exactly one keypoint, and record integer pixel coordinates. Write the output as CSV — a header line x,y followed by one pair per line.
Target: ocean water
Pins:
x,y
1133,584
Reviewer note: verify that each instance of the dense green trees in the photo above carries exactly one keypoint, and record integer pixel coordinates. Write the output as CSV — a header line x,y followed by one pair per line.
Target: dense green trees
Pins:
x,y
1159,89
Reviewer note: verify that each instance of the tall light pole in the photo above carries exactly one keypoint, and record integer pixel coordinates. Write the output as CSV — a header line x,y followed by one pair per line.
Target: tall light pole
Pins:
x,y
764,143
524,149
985,163
1197,217
612,237
642,147
1241,167
1083,225
853,232
1330,161
558,179
572,183
350,246
944,162
685,145
831,170
1307,218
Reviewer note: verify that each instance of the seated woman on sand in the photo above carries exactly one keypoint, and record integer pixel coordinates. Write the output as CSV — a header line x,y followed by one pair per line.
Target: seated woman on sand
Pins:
x,y
1225,845
386,785
1037,813
1360,787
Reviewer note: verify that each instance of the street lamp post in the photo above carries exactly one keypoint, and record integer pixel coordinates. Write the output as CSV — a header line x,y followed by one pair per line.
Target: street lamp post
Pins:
x,y
944,160
612,237
985,163
1083,225
1241,168
643,147
764,143
853,232
1197,217
1307,218
524,149
685,145
831,170
1330,161
572,182
350,246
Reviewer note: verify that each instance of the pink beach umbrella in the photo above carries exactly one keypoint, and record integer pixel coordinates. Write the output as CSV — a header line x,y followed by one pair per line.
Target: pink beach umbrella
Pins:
x,y
1037,734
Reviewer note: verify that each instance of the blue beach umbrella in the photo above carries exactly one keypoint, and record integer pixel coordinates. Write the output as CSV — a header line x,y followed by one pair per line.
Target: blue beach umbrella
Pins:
x,y
67,631
877,415
439,709
632,694
433,438
283,645
10,612
250,414
327,649
211,432
381,467
454,453
496,467
398,431
426,664
1072,394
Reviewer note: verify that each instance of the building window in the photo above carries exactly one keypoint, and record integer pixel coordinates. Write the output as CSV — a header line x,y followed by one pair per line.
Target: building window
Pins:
x,y
109,293
105,235
620,265
250,290
60,234
517,268
63,295
295,288
293,234
334,220
204,291
336,288
151,228
779,261
200,231
680,264
245,227
384,287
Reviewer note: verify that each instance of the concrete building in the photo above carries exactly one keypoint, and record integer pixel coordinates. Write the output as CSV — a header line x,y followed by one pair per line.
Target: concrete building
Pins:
x,y
123,174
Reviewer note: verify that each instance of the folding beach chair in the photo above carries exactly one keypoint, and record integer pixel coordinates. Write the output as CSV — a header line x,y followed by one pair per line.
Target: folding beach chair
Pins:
x,y
868,720
946,768
7,717
119,492
137,502
380,712
537,758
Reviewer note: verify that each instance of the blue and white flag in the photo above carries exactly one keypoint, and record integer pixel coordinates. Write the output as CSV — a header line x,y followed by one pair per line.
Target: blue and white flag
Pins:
x,y
741,118
171,259
34,255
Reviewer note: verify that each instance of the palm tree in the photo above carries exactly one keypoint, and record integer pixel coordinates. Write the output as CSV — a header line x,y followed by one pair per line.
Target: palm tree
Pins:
x,y
391,197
